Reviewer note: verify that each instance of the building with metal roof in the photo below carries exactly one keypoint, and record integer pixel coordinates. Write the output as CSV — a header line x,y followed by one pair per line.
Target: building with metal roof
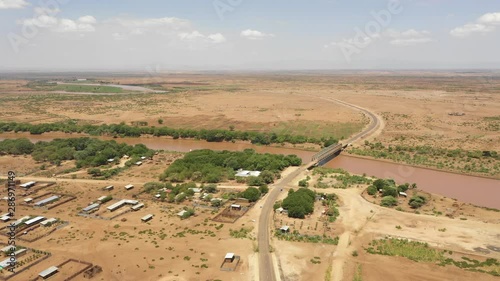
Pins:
x,y
90,208
245,173
48,221
47,200
147,218
34,220
129,186
28,184
137,207
48,272
121,203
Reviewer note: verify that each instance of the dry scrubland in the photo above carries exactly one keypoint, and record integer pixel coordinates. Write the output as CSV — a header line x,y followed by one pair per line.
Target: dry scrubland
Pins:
x,y
166,248
415,108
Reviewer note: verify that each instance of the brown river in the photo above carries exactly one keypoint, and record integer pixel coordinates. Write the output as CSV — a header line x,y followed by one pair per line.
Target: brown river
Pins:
x,y
476,190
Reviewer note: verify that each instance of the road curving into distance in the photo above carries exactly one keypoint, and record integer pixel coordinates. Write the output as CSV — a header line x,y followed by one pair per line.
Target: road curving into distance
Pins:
x,y
266,266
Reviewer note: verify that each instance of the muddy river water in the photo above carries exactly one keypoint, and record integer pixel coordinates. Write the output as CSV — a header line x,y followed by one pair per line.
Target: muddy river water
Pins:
x,y
476,190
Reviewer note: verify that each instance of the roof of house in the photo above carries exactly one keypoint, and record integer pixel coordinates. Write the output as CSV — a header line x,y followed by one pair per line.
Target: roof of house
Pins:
x,y
147,217
51,220
229,256
7,248
48,271
245,173
137,207
47,200
121,203
34,220
285,228
91,207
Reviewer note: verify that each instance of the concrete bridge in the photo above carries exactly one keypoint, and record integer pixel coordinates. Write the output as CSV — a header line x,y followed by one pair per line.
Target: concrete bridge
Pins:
x,y
326,154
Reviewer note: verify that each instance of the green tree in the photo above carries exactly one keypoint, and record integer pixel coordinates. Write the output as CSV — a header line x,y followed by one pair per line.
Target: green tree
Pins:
x,y
267,176
251,193
264,189
389,201
372,190
255,181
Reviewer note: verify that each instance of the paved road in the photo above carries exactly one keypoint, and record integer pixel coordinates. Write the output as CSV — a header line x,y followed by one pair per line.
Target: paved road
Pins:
x,y
375,122
266,266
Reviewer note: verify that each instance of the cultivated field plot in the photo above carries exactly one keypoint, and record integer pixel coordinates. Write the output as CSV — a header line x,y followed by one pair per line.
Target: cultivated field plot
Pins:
x,y
67,269
233,212
26,259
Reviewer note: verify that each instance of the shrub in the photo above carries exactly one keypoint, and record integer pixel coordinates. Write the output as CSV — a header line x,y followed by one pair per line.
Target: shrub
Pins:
x,y
251,193
372,190
389,201
417,201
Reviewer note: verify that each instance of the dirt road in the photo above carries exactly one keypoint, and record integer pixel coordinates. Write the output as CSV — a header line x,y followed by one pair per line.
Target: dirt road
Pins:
x,y
360,217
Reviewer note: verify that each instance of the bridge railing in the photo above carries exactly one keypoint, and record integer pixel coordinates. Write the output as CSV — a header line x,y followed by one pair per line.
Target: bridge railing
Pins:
x,y
327,151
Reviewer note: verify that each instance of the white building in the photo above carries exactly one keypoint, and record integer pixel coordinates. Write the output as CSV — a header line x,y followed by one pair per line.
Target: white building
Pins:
x,y
245,173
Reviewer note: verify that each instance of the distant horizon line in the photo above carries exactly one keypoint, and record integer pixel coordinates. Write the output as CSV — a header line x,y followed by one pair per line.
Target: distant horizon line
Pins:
x,y
236,70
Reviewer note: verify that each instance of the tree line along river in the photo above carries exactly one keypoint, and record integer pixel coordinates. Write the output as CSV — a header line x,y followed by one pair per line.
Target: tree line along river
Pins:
x,y
469,189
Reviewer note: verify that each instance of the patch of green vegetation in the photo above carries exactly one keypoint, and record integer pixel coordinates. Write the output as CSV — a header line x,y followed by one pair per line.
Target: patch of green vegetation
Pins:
x,y
86,151
421,252
42,86
124,130
299,203
480,162
344,178
297,237
214,166
358,274
241,233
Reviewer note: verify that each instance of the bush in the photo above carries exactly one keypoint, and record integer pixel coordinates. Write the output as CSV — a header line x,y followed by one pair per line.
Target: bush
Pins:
x,y
372,190
255,181
264,189
303,183
252,194
389,201
417,201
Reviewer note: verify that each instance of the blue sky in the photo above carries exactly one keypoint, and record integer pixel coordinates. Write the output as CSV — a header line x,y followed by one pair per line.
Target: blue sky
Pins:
x,y
248,34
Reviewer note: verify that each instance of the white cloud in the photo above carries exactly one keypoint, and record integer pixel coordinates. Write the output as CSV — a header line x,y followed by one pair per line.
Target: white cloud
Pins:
x,y
254,34
484,24
190,35
410,41
408,38
83,24
470,28
87,19
217,38
13,4
46,11
171,22
490,18
196,35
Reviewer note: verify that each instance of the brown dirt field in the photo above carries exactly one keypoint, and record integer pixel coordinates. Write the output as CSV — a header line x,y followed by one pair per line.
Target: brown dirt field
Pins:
x,y
414,105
